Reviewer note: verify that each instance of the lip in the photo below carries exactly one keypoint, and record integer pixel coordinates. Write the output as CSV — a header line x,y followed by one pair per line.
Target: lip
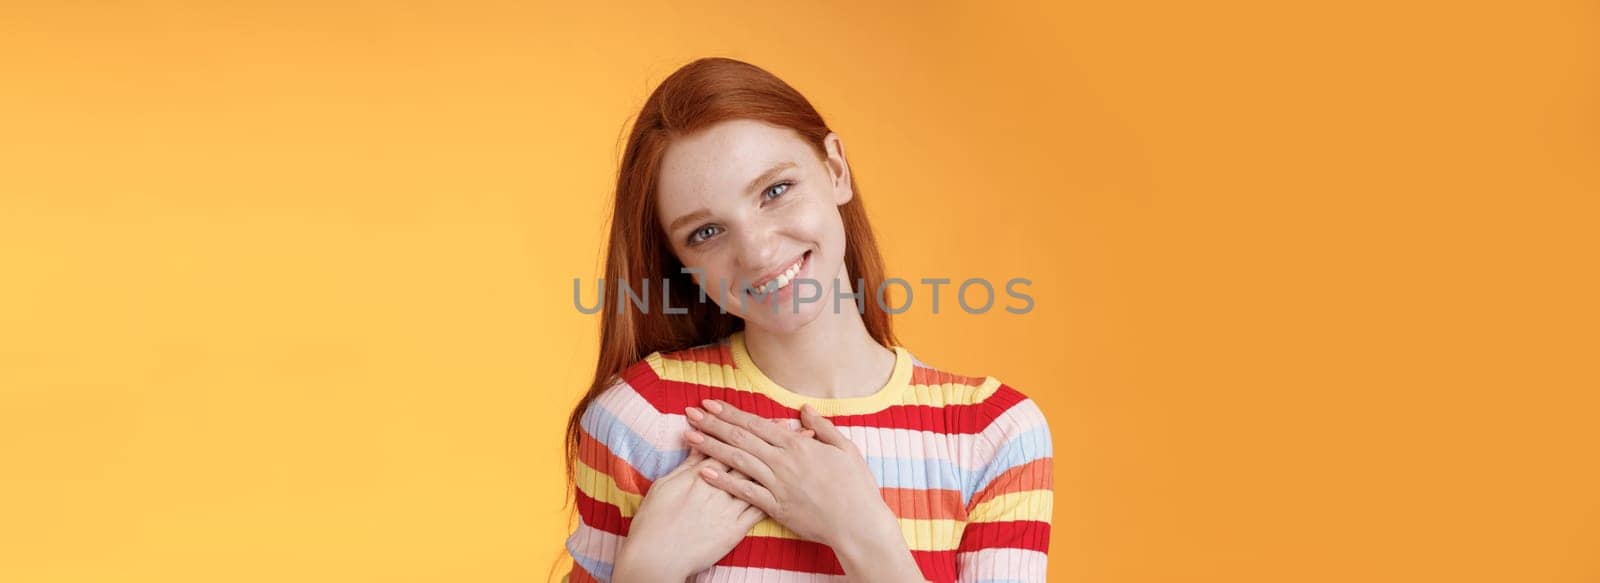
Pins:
x,y
778,271
783,296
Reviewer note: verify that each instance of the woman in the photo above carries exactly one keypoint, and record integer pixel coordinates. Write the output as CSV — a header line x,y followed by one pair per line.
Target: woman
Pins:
x,y
741,425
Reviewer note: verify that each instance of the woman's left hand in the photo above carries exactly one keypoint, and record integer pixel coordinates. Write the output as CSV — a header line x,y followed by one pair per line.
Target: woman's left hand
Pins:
x,y
820,488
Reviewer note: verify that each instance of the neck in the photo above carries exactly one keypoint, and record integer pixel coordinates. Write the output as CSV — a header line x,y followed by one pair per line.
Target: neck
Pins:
x,y
831,357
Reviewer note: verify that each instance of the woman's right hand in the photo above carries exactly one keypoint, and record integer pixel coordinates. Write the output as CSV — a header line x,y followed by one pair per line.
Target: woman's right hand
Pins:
x,y
684,525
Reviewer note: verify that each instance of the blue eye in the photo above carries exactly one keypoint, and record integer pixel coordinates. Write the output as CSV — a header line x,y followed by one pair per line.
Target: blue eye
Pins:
x,y
777,190
700,234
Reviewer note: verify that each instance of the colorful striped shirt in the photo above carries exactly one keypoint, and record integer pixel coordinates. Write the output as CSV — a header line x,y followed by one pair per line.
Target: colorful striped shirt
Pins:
x,y
963,462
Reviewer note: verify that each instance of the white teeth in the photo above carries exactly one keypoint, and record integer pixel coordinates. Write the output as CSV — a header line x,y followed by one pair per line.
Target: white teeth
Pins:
x,y
781,281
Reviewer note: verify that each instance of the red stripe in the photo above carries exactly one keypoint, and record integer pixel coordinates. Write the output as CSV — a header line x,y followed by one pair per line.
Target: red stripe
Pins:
x,y
1015,534
936,566
805,556
924,504
783,553
950,419
578,575
921,375
715,354
1034,475
671,397
601,515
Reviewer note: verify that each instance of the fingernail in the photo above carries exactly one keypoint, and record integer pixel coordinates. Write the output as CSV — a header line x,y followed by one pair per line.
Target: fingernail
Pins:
x,y
708,472
712,406
695,437
806,408
694,413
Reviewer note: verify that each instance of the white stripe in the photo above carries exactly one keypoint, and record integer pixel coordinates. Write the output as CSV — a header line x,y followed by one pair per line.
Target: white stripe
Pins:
x,y
1017,420
969,451
1003,564
725,574
594,543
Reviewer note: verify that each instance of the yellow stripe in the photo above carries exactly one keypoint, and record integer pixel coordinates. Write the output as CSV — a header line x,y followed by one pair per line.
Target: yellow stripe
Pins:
x,y
599,485
692,371
726,376
1027,505
931,534
920,534
943,394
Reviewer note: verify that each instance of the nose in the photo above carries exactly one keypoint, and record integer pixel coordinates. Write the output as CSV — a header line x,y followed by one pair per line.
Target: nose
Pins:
x,y
757,248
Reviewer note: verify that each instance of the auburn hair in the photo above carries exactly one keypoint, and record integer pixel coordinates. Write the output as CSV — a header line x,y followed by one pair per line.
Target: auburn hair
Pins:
x,y
697,95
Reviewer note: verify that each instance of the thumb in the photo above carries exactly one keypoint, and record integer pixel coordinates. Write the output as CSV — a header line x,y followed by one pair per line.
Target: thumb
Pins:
x,y
826,432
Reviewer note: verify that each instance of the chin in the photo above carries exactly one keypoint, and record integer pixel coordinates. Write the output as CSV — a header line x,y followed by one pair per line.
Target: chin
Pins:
x,y
788,318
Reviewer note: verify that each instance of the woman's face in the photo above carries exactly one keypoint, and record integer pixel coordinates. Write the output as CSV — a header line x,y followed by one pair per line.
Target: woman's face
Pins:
x,y
747,203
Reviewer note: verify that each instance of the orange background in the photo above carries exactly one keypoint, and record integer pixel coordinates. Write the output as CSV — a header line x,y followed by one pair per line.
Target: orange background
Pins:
x,y
287,286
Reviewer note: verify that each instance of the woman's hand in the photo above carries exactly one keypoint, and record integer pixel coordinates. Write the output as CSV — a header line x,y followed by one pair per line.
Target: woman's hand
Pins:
x,y
683,525
820,488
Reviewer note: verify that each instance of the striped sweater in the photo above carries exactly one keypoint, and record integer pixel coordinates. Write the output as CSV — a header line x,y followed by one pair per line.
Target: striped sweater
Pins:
x,y
963,462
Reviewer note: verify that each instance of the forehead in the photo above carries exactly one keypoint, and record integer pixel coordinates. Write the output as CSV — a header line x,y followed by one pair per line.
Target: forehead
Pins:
x,y
720,160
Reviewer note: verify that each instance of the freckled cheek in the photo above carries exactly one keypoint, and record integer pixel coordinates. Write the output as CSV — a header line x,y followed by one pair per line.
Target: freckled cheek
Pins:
x,y
810,221
714,276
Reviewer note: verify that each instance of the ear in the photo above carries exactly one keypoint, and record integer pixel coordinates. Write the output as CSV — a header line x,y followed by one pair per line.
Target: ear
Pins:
x,y
838,169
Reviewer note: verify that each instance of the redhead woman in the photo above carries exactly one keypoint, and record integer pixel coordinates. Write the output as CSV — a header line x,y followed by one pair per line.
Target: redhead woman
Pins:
x,y
752,416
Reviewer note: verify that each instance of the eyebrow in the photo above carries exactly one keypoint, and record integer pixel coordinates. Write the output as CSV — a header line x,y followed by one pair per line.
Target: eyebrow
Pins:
x,y
754,184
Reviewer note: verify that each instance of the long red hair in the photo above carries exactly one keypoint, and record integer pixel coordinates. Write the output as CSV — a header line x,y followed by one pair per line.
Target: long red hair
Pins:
x,y
697,95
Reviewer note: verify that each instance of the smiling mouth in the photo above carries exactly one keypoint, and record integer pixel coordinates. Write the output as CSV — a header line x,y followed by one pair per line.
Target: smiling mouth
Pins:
x,y
782,280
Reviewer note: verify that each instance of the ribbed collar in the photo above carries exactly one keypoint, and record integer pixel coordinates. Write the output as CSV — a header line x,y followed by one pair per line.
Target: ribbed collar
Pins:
x,y
890,394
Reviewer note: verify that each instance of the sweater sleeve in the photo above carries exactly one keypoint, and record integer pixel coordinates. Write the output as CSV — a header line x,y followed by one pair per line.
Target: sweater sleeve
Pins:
x,y
619,455
1008,513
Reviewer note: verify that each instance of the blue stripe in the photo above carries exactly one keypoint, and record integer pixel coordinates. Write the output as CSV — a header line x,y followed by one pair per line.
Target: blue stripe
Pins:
x,y
921,474
599,569
1029,446
625,443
